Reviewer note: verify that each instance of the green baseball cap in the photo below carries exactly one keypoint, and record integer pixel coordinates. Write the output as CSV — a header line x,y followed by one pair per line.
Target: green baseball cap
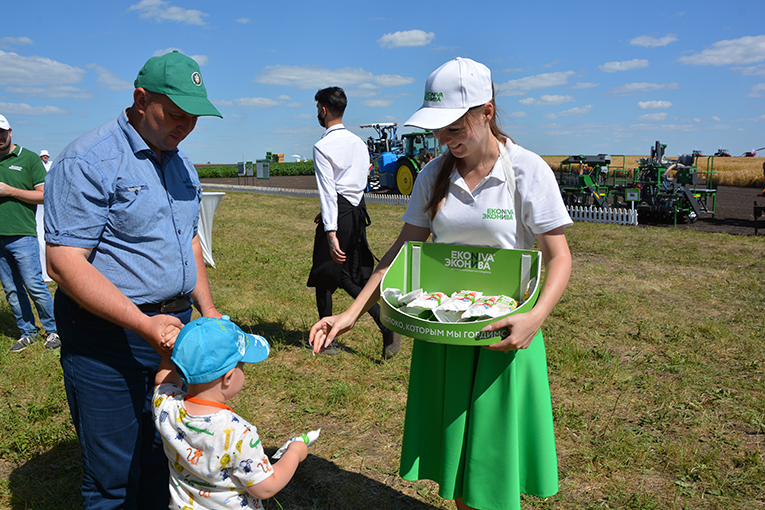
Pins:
x,y
177,76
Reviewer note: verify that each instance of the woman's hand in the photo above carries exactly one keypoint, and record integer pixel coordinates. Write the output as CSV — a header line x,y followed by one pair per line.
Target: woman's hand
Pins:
x,y
327,329
521,327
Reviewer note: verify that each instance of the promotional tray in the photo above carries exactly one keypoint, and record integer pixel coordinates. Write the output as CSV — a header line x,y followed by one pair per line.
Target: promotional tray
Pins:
x,y
451,268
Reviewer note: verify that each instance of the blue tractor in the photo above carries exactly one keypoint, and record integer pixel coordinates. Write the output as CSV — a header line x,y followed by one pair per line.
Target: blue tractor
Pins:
x,y
396,161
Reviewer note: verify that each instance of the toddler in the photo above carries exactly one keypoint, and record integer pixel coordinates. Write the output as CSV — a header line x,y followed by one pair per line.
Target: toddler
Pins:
x,y
216,458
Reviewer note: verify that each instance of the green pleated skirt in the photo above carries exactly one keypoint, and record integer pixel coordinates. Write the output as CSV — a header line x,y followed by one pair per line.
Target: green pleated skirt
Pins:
x,y
479,423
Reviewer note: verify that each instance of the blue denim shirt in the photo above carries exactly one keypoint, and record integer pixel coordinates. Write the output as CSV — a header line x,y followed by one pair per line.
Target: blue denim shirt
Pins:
x,y
107,192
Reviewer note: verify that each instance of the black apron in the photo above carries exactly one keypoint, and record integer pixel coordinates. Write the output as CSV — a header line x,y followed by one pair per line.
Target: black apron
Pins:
x,y
359,262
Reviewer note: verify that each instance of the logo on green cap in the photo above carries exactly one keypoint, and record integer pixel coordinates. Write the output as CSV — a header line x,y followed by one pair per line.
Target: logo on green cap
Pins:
x,y
196,78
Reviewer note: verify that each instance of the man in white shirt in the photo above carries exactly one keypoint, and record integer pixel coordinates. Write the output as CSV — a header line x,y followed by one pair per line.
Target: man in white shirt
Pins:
x,y
341,254
45,157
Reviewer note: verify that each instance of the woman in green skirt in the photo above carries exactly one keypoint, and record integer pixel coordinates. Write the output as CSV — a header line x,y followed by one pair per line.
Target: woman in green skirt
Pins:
x,y
478,419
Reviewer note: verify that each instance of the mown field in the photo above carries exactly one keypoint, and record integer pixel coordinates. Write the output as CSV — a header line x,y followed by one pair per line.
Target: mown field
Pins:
x,y
655,358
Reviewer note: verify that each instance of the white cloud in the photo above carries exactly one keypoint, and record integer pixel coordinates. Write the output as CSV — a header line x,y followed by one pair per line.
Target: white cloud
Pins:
x,y
522,85
406,39
639,88
311,77
758,70
243,20
377,103
758,90
518,115
559,132
654,105
716,118
159,11
109,80
6,42
200,59
653,117
546,100
36,71
393,80
667,127
744,51
579,111
55,91
256,102
625,65
25,109
584,85
653,42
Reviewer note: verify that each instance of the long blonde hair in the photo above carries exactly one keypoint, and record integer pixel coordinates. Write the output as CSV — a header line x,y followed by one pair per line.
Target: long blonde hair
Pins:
x,y
441,184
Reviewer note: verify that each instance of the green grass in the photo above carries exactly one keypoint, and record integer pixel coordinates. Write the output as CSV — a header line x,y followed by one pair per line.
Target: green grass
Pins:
x,y
655,358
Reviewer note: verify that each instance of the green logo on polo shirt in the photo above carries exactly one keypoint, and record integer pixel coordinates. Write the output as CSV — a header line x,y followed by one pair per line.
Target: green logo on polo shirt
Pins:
x,y
498,214
433,97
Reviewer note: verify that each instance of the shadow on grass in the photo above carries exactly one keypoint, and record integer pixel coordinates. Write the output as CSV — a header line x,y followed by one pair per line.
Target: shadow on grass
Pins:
x,y
8,322
320,484
50,481
278,334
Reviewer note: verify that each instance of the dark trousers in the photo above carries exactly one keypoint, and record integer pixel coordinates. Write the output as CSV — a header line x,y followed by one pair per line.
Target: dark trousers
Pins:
x,y
109,380
324,298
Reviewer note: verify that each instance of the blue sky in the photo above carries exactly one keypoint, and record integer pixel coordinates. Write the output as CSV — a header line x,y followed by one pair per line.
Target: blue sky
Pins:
x,y
572,77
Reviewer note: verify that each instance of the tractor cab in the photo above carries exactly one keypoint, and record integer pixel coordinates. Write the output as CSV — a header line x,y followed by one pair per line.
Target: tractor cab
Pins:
x,y
396,161
419,149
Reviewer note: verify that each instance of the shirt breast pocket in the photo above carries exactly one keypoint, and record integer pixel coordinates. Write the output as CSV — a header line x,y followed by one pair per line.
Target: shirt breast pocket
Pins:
x,y
135,209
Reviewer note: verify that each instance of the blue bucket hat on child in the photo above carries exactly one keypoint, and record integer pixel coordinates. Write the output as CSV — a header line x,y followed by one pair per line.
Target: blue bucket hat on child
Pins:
x,y
207,348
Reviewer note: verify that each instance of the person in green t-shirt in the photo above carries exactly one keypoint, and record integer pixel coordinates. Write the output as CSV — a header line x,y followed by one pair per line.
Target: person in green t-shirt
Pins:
x,y
22,181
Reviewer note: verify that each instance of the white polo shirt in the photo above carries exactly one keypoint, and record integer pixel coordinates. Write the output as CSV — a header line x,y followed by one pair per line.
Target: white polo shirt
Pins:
x,y
485,216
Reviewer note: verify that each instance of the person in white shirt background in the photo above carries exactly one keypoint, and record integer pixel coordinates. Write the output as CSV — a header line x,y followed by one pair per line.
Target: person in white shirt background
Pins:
x,y
341,254
40,216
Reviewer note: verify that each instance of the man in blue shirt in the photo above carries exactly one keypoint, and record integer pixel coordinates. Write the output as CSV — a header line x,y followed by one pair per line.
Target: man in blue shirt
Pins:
x,y
122,206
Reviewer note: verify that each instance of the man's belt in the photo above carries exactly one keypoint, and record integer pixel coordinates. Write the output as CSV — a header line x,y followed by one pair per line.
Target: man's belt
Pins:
x,y
174,305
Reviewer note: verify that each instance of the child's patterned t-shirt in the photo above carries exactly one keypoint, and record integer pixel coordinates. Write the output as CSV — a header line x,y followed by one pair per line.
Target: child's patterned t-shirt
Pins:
x,y
212,458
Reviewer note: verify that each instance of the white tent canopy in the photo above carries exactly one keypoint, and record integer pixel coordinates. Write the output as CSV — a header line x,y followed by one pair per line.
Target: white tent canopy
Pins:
x,y
210,201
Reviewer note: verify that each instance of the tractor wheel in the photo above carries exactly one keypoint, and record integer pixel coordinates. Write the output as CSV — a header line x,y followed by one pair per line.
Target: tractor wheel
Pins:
x,y
405,176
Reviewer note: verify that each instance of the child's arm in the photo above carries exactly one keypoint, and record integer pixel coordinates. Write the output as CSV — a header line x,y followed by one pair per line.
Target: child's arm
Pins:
x,y
166,373
283,471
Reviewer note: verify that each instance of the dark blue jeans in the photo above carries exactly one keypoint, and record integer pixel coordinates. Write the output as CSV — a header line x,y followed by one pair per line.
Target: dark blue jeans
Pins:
x,y
21,273
109,380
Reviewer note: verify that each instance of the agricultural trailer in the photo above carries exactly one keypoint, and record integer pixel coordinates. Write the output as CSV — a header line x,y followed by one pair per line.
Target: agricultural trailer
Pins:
x,y
660,189
583,180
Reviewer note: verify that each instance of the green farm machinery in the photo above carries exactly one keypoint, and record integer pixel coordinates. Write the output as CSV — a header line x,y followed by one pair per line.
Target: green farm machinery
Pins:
x,y
396,161
660,189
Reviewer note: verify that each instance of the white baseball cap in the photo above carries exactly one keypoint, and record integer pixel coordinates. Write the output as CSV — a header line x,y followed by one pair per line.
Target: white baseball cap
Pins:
x,y
4,124
450,91
44,153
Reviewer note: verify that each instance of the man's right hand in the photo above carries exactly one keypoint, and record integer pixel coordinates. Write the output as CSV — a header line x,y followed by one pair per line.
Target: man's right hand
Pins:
x,y
160,332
